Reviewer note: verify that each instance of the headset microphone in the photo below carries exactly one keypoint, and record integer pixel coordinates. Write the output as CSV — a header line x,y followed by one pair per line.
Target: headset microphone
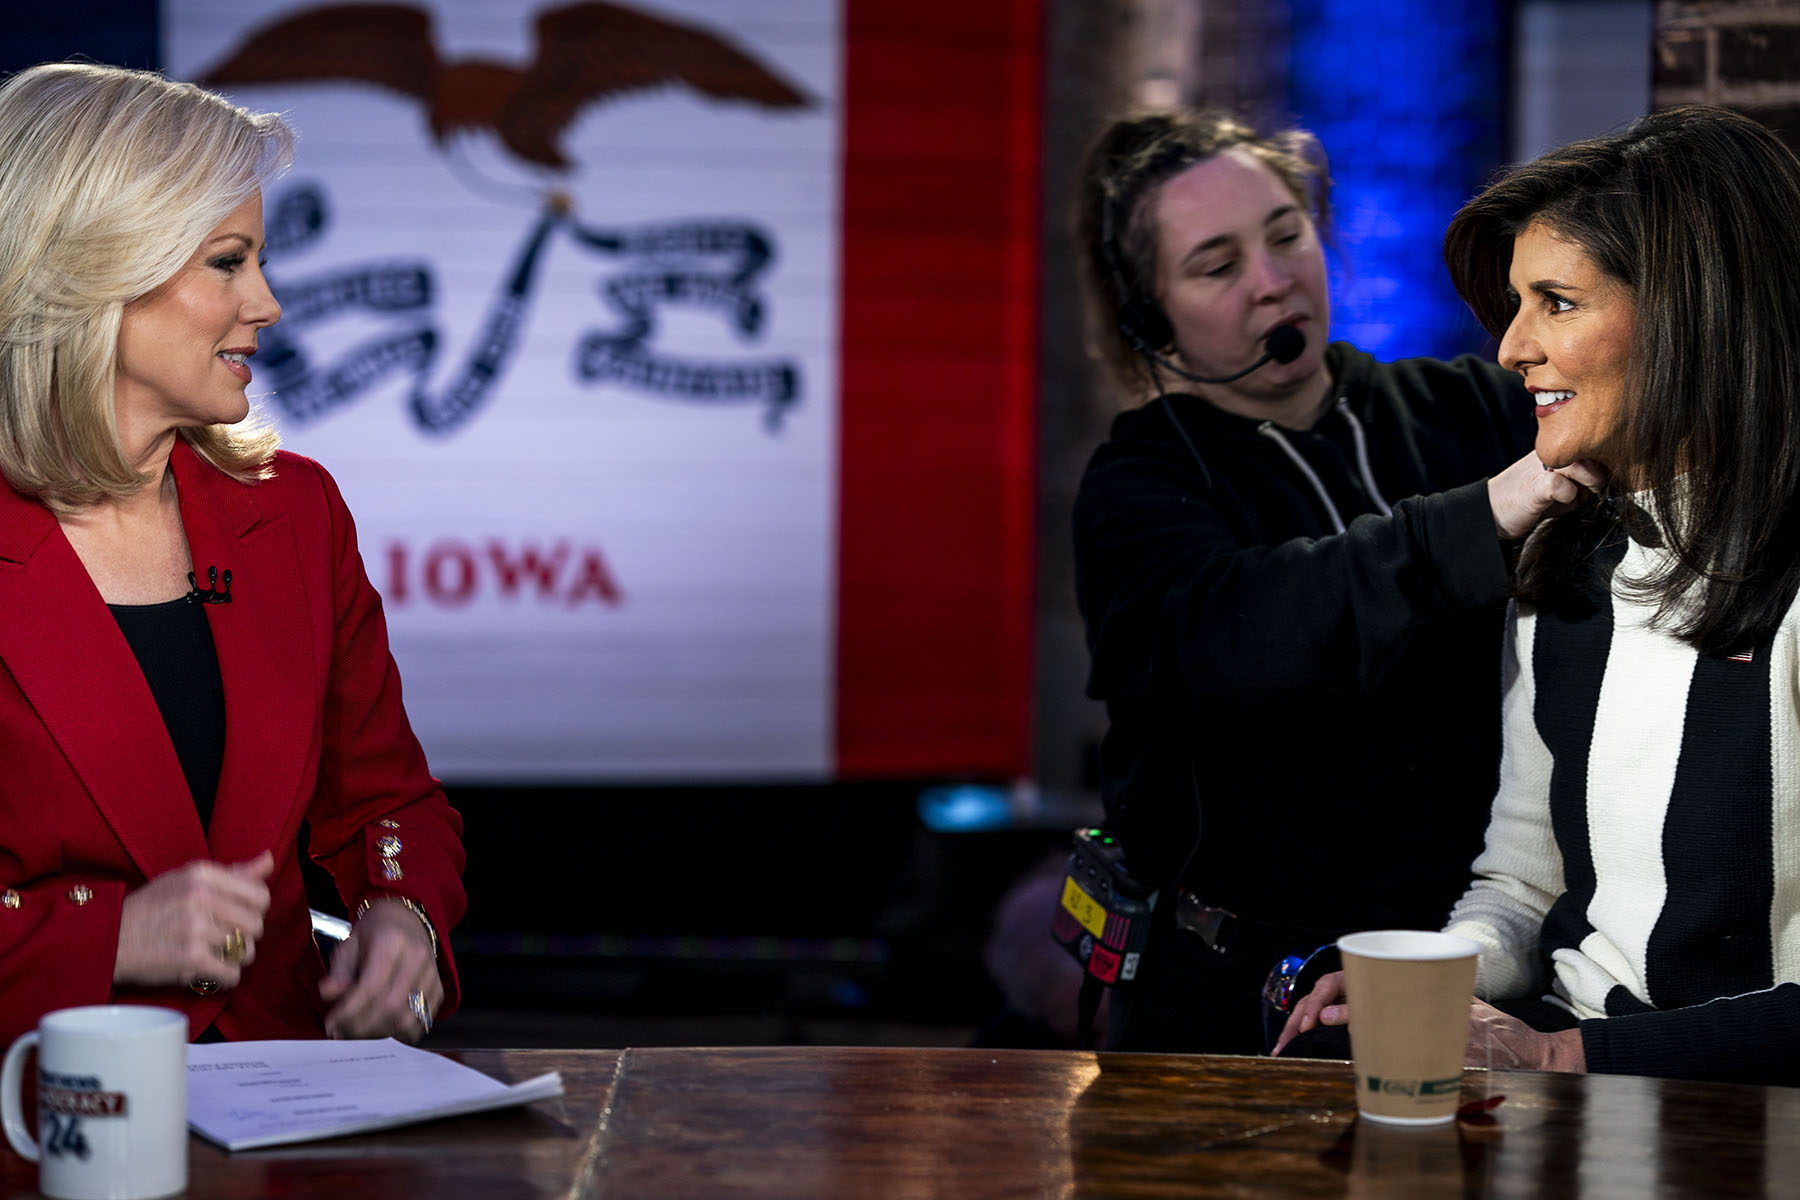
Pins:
x,y
1282,344
1285,343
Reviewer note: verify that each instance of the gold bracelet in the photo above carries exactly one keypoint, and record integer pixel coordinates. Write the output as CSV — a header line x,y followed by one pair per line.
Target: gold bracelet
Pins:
x,y
413,906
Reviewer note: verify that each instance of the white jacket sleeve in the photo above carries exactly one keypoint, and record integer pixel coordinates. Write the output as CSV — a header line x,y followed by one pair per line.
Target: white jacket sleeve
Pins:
x,y
1519,874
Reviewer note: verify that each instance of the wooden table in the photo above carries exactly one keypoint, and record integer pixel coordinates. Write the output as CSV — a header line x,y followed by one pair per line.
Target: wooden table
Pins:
x,y
880,1124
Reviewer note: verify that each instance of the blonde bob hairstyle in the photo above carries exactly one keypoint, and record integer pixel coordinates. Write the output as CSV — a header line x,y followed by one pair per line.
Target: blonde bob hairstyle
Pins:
x,y
109,181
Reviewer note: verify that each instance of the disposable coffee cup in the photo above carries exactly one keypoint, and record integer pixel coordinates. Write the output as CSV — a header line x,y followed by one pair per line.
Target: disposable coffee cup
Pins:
x,y
1409,993
112,1102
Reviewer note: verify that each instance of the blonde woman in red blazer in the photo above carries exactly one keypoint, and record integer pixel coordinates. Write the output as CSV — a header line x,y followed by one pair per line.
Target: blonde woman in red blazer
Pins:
x,y
131,297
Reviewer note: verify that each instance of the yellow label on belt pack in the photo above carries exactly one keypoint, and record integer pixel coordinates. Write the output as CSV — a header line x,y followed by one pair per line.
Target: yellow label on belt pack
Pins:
x,y
1083,908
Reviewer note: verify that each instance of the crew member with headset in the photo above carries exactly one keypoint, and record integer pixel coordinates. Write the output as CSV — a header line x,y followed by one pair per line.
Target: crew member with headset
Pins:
x,y
1293,572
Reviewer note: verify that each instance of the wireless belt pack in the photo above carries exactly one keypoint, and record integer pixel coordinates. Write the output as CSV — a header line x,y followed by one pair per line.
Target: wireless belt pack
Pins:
x,y
1103,918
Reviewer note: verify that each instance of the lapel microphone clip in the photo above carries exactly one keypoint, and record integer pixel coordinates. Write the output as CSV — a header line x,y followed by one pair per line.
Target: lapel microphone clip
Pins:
x,y
210,594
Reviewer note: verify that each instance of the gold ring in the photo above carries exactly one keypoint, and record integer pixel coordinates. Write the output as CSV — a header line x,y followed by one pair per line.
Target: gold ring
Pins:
x,y
232,952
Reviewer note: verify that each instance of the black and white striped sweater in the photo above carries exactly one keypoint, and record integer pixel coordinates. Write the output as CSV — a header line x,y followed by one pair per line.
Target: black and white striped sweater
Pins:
x,y
1643,855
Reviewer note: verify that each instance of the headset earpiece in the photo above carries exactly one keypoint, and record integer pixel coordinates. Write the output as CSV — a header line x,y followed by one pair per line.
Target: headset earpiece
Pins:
x,y
1141,318
1145,325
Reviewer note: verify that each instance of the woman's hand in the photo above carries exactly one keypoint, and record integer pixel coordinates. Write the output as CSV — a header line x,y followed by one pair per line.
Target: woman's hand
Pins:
x,y
1527,492
386,958
179,927
1495,1039
1507,1043
1318,1007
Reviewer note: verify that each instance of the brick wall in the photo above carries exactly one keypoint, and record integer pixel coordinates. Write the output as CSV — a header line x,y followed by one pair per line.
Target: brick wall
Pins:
x,y
1742,54
1237,59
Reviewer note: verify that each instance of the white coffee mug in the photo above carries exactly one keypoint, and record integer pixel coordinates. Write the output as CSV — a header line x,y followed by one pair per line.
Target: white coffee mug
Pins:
x,y
112,1102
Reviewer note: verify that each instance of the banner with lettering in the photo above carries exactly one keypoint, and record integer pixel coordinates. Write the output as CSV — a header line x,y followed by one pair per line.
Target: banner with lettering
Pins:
x,y
568,312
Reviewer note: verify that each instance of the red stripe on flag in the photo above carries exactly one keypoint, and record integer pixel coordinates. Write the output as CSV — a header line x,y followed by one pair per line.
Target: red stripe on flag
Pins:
x,y
938,361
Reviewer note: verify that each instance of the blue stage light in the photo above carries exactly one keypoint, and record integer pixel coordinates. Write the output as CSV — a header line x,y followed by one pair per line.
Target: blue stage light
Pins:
x,y
964,808
1409,97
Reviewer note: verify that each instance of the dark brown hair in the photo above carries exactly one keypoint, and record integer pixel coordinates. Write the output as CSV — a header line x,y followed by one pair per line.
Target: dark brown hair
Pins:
x,y
1120,176
1696,211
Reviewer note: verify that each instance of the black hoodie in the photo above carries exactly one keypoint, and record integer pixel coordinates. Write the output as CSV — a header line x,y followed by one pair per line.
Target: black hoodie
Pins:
x,y
1324,686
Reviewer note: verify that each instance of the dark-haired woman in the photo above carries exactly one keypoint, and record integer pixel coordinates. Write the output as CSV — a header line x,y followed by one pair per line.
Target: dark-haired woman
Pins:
x,y
1293,581
1638,900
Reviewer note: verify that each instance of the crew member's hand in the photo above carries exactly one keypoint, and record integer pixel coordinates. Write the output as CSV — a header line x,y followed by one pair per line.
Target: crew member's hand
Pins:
x,y
1525,493
198,922
1507,1043
374,973
1321,1006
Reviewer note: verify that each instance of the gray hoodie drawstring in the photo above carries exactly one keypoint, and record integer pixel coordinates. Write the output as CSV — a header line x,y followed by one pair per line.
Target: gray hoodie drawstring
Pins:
x,y
1273,432
1362,455
1269,430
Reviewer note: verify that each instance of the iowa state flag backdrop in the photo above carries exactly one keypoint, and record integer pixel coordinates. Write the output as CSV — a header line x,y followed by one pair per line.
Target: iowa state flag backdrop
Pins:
x,y
677,361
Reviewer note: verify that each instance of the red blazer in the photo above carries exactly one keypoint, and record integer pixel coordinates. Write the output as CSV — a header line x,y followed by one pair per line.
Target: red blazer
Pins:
x,y
92,799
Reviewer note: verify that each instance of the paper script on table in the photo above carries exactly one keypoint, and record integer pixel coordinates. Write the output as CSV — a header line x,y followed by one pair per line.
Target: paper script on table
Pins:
x,y
248,1094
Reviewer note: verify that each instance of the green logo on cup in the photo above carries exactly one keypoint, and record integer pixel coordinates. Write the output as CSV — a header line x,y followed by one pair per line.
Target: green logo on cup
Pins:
x,y
1415,1087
